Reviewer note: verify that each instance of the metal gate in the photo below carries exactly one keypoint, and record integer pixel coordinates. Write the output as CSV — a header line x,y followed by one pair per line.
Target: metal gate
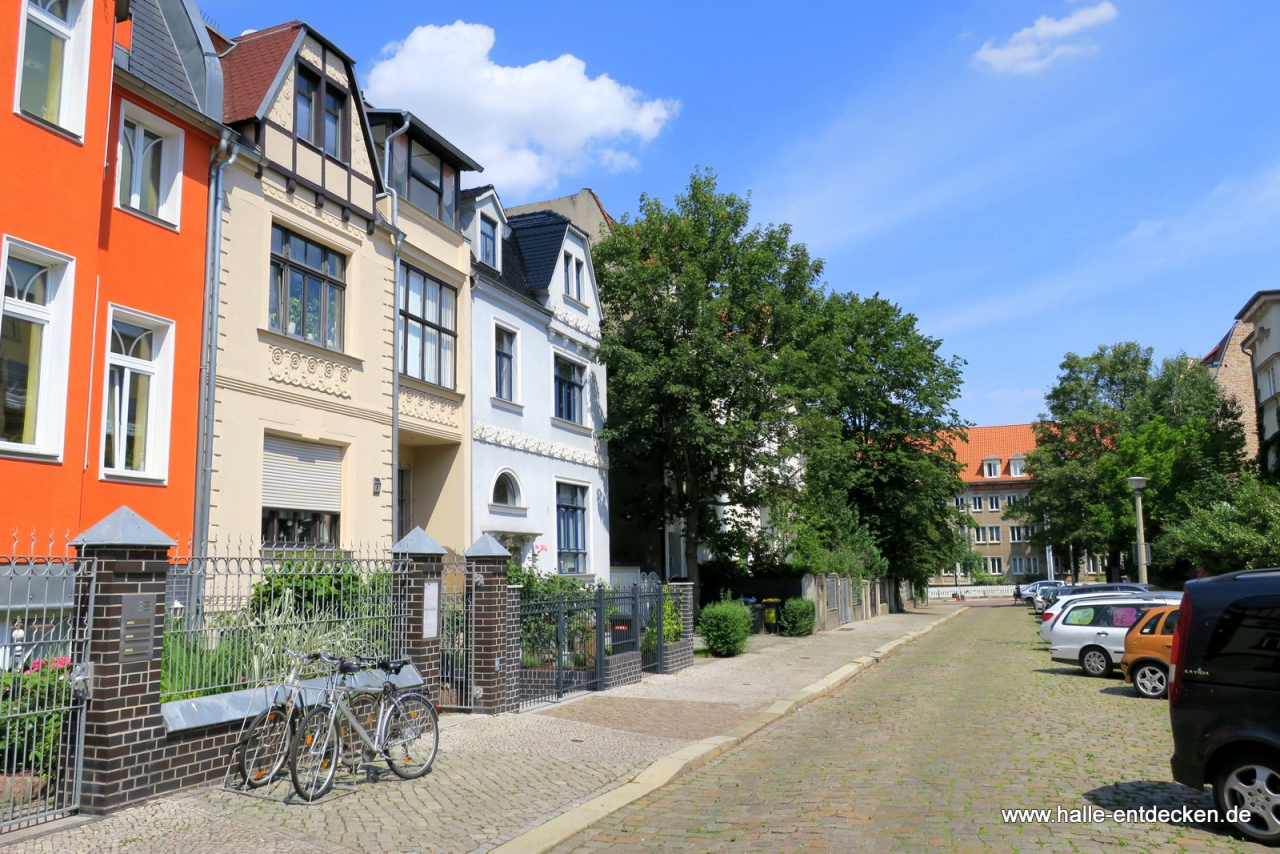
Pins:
x,y
457,636
46,604
844,599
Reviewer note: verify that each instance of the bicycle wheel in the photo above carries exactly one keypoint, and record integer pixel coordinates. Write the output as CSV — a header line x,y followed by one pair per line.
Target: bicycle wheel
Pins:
x,y
263,750
314,759
364,707
413,735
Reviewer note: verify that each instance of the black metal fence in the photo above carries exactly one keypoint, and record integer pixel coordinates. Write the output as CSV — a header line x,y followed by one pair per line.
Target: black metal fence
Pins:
x,y
567,642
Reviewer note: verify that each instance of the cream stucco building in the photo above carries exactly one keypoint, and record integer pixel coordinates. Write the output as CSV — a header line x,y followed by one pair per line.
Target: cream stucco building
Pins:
x,y
312,250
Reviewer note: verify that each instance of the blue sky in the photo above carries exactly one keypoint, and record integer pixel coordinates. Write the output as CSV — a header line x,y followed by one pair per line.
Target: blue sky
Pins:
x,y
1028,178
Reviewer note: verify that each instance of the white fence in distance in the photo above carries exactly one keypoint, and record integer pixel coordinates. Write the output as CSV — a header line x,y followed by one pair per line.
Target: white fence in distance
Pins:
x,y
974,591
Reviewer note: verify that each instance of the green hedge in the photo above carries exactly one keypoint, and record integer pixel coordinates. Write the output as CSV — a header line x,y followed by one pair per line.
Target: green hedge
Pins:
x,y
797,618
725,626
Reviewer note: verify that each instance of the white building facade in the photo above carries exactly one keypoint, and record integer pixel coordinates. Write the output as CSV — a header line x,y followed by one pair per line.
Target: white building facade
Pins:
x,y
538,391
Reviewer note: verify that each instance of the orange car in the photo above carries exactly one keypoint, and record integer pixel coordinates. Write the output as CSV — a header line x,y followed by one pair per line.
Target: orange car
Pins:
x,y
1146,652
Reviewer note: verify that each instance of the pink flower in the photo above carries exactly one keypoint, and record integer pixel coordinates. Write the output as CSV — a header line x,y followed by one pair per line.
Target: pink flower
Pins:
x,y
62,661
542,548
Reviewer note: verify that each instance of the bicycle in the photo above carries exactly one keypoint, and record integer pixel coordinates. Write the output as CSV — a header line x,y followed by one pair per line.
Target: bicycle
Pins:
x,y
406,730
265,745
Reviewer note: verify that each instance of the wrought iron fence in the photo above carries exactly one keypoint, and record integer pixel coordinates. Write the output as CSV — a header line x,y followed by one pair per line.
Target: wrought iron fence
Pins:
x,y
560,642
231,618
457,636
46,605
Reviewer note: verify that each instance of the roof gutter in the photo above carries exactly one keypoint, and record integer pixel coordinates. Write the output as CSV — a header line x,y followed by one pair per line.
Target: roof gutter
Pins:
x,y
395,324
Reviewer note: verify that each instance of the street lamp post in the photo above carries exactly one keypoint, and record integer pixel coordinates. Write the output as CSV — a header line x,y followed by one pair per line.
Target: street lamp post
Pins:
x,y
1137,484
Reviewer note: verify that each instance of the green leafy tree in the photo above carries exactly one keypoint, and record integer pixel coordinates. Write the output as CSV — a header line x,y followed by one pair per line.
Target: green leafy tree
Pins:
x,y
879,403
702,313
1240,532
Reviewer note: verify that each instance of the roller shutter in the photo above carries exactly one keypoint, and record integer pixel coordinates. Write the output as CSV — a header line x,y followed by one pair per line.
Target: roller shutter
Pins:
x,y
301,475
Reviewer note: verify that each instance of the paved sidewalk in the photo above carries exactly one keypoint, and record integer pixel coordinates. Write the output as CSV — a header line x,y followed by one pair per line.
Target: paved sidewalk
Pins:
x,y
495,777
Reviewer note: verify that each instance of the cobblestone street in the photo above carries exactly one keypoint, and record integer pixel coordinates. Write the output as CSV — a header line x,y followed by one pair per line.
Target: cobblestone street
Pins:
x,y
921,753
495,777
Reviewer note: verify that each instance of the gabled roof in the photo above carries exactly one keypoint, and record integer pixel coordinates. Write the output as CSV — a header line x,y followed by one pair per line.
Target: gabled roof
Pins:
x,y
541,236
251,67
1003,442
171,53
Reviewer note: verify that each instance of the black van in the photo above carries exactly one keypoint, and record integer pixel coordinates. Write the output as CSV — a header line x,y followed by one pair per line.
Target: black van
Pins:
x,y
1224,696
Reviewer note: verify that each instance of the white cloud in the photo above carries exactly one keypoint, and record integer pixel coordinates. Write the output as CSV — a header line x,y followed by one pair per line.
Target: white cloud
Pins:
x,y
1033,48
527,125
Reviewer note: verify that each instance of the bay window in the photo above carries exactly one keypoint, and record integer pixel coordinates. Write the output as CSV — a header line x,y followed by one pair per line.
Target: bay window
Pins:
x,y
428,327
307,289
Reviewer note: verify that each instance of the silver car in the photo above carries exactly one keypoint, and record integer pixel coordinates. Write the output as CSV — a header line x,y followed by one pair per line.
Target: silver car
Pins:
x,y
1091,630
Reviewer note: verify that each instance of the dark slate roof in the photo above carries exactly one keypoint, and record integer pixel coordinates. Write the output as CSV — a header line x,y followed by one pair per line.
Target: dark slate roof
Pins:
x,y
251,66
153,56
424,132
541,235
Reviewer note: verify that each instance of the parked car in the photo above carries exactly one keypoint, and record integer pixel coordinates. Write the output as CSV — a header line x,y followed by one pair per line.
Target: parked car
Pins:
x,y
1062,595
1092,629
1224,696
1146,652
1030,591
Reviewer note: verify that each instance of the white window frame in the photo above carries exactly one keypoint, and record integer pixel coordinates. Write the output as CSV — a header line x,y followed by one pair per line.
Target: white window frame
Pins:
x,y
987,468
977,503
980,534
1270,376
993,534
55,352
519,507
1016,534
1015,468
161,404
75,69
993,502
995,566
515,364
587,522
172,136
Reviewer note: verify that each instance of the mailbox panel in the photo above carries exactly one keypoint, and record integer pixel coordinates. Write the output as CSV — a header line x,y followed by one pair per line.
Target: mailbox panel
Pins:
x,y
138,626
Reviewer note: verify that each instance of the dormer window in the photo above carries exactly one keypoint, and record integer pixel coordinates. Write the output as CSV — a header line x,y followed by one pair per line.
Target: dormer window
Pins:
x,y
1015,467
335,110
991,467
488,241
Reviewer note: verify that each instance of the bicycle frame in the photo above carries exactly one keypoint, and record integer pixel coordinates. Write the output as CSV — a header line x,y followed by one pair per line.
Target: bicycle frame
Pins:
x,y
386,703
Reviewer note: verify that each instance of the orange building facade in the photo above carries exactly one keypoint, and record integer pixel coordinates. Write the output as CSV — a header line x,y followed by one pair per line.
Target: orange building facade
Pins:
x,y
104,199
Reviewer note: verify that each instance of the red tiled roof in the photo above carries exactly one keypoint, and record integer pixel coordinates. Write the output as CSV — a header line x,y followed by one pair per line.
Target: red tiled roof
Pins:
x,y
250,67
1002,442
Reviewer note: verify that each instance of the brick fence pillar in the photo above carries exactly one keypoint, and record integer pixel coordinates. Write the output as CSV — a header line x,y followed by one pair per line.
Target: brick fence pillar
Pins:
x,y
497,617
124,729
419,586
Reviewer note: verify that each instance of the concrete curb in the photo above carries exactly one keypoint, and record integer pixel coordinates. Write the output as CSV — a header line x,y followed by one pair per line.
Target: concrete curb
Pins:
x,y
565,826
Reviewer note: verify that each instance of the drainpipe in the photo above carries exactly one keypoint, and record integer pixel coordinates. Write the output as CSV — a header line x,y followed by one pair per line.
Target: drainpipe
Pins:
x,y
395,325
226,154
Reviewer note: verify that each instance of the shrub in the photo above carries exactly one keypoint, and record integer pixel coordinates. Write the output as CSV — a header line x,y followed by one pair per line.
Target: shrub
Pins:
x,y
725,626
30,736
797,618
672,627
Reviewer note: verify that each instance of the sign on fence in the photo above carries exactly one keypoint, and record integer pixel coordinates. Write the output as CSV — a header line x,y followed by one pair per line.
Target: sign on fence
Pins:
x,y
430,609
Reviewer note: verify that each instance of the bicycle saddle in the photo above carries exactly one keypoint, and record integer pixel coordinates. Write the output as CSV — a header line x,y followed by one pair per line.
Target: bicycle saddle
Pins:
x,y
350,667
392,666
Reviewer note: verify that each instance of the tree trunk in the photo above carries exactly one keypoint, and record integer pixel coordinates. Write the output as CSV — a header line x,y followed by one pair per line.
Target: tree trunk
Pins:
x,y
691,556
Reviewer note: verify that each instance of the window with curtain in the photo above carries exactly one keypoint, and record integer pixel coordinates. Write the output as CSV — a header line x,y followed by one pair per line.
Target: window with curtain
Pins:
x,y
504,361
25,314
568,390
428,328
131,389
307,289
571,527
45,51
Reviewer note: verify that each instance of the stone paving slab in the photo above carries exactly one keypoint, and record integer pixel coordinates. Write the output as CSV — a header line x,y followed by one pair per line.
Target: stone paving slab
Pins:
x,y
495,777
680,719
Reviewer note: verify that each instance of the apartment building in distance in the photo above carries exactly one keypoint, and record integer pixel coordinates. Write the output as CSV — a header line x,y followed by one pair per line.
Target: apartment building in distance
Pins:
x,y
1232,370
995,478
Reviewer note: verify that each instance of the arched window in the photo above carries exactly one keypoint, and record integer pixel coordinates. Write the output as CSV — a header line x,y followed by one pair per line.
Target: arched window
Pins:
x,y
506,491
